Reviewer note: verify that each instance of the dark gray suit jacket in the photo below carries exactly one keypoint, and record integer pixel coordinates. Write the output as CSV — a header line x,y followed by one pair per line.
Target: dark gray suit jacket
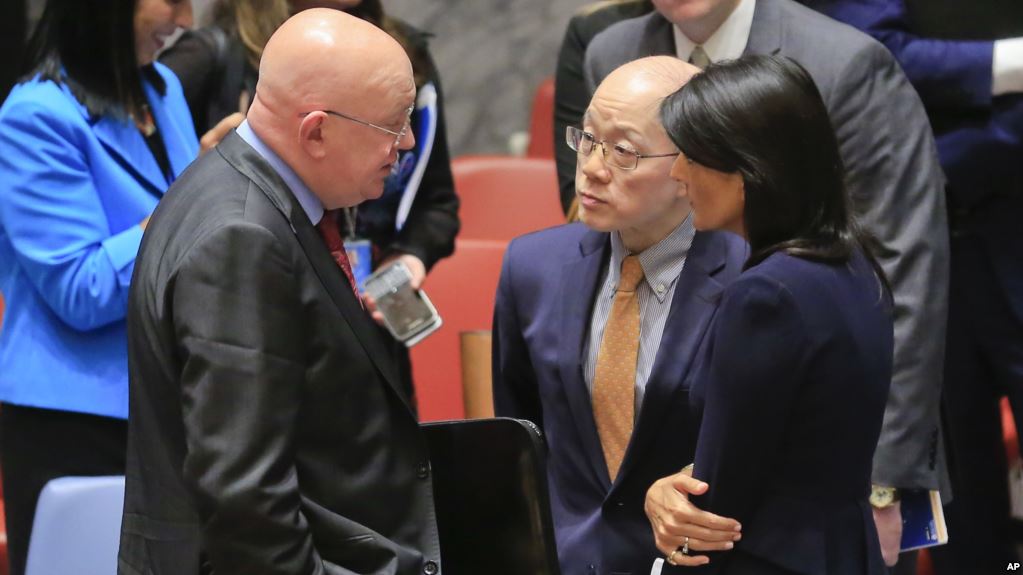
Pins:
x,y
266,433
896,186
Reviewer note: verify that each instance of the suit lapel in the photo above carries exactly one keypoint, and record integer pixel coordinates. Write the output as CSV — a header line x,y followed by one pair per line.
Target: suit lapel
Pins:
x,y
692,308
768,29
658,37
125,144
247,161
579,286
178,137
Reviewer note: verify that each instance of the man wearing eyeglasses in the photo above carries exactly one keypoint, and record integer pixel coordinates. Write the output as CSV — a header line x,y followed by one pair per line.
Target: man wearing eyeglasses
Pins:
x,y
598,325
267,431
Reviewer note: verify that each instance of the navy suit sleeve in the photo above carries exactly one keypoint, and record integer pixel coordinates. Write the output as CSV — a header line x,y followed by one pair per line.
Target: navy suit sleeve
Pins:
x,y
946,73
757,363
515,385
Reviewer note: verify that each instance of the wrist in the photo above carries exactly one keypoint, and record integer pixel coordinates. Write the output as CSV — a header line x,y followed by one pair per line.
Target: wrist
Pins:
x,y
883,497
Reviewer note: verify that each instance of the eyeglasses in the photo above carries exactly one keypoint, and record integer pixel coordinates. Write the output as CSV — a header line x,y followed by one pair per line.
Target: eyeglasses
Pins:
x,y
398,136
620,156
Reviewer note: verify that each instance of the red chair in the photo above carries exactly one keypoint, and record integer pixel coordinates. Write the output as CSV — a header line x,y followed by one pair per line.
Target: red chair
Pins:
x,y
462,287
923,563
505,196
541,122
1009,432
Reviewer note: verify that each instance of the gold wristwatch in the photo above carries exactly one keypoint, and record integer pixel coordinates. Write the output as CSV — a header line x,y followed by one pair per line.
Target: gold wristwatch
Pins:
x,y
882,497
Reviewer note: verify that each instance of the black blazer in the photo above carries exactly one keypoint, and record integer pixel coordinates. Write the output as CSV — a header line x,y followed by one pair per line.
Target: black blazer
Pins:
x,y
266,434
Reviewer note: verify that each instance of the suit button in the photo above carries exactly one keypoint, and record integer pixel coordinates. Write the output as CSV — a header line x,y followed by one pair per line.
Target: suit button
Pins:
x,y
430,568
423,471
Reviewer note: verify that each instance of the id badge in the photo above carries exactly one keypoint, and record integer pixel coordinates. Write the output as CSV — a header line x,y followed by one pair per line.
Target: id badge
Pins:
x,y
360,255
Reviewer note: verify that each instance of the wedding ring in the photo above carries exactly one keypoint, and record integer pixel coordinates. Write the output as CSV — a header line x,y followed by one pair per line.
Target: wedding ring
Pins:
x,y
685,546
671,558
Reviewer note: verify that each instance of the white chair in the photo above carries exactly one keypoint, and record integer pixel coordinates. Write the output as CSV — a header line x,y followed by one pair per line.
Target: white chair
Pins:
x,y
77,527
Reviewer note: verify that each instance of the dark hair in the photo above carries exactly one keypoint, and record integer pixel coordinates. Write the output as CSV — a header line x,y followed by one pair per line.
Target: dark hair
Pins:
x,y
90,47
763,118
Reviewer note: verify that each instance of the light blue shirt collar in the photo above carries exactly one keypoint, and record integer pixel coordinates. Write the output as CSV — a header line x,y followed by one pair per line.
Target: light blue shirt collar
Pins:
x,y
306,198
662,262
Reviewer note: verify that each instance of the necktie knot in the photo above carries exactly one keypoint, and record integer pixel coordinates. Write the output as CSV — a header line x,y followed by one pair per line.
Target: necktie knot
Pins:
x,y
699,58
632,274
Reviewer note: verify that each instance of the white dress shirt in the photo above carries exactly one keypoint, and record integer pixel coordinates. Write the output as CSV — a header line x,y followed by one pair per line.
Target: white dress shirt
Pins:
x,y
727,42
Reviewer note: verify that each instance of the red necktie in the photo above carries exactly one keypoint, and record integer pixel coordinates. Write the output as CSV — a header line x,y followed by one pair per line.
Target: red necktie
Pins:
x,y
332,237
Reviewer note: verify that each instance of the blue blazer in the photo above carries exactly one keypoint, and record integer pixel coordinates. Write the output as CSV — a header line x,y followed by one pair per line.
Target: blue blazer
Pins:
x,y
792,396
543,310
979,137
73,190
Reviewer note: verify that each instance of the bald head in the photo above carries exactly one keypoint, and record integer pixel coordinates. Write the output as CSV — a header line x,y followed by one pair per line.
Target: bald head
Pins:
x,y
321,57
646,81
326,78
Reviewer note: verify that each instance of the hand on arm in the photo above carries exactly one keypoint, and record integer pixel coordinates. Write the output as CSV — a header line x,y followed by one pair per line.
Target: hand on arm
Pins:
x,y
674,518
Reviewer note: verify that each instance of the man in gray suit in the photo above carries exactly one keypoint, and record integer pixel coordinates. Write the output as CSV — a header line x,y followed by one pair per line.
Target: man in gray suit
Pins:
x,y
896,187
268,431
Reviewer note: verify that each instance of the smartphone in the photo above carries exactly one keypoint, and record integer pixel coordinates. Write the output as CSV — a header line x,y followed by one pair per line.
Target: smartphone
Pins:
x,y
408,314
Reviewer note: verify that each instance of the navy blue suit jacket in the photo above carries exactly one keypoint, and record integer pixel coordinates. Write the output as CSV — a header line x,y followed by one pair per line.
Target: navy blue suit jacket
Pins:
x,y
792,394
543,312
979,137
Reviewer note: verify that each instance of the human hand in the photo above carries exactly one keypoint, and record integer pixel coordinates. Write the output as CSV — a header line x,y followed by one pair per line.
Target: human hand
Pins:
x,y
889,531
677,522
415,266
210,139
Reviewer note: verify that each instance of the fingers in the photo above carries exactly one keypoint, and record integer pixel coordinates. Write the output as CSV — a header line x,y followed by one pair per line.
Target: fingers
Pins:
x,y
211,138
684,483
371,307
677,558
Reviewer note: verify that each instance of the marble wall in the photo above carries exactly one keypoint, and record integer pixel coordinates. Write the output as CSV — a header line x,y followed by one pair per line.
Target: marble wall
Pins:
x,y
492,54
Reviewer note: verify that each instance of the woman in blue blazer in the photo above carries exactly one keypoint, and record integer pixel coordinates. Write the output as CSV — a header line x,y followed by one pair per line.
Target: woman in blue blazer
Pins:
x,y
89,141
800,357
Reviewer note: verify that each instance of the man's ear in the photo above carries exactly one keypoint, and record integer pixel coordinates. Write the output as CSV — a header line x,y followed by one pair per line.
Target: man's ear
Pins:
x,y
311,136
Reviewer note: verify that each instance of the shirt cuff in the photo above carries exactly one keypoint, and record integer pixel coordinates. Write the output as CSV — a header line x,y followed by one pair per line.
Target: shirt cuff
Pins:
x,y
121,249
1007,67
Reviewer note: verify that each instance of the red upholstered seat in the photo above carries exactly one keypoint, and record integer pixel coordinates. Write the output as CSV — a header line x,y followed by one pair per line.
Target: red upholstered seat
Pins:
x,y
505,196
541,122
1009,432
462,287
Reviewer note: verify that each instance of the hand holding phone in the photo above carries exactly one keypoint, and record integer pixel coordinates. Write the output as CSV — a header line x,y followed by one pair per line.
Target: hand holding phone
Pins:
x,y
408,313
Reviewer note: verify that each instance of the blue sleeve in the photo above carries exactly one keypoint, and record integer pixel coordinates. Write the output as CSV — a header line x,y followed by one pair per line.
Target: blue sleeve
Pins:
x,y
756,365
55,220
516,392
946,73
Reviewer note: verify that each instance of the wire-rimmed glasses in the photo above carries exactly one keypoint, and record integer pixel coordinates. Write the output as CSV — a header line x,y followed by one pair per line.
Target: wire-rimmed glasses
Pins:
x,y
398,136
620,156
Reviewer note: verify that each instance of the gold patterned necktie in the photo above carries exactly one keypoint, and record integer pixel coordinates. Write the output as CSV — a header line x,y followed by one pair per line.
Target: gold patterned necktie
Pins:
x,y
699,58
614,381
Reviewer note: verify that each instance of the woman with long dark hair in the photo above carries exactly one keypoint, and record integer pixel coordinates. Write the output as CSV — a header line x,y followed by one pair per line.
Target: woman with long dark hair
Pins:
x,y
90,139
800,357
416,218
